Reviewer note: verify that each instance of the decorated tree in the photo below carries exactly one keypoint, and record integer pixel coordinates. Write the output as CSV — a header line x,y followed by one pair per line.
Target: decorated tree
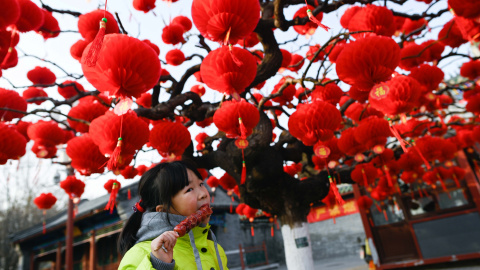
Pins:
x,y
284,98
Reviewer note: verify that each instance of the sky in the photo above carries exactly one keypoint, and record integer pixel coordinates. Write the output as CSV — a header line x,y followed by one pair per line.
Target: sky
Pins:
x,y
145,26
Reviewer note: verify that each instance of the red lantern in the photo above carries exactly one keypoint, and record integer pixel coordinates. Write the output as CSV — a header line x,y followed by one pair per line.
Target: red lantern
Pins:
x,y
364,202
85,111
225,21
77,49
34,92
412,26
45,201
50,27
313,122
378,19
46,133
145,100
310,27
368,61
173,34
227,182
44,150
357,111
360,95
31,16
288,92
434,148
175,57
112,186
184,22
144,5
412,128
372,131
9,14
470,69
220,72
12,143
73,186
312,50
450,35
105,131
154,47
170,138
41,75
412,55
433,50
213,182
296,63
70,89
22,127
330,93
129,172
399,95
85,155
124,74
364,174
226,118
199,89
466,9
428,76
88,24
348,144
249,41
348,15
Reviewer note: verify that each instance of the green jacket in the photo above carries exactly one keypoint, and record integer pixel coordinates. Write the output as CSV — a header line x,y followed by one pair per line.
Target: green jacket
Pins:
x,y
139,256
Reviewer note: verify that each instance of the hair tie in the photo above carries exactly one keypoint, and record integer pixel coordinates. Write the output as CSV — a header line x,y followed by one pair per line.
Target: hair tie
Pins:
x,y
138,207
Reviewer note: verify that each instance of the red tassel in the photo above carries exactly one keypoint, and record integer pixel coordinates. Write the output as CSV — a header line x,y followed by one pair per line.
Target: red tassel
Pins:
x,y
456,180
443,186
365,181
387,174
252,231
399,138
385,214
237,61
421,156
94,50
272,231
213,198
244,172
113,196
338,197
10,49
115,157
129,194
313,19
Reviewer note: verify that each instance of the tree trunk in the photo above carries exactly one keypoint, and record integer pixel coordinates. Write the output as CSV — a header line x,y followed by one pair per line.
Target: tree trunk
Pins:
x,y
298,248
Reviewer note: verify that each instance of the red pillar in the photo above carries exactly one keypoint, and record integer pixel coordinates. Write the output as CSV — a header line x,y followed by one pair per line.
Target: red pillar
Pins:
x,y
58,261
92,258
69,237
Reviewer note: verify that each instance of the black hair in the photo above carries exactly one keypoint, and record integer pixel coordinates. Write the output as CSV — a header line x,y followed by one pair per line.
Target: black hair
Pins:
x,y
157,186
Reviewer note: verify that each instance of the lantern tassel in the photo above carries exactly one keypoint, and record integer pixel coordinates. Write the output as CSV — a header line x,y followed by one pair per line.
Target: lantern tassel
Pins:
x,y
243,136
421,156
456,180
237,61
113,196
444,187
387,174
272,231
338,197
129,194
244,172
399,138
10,48
252,231
365,181
314,20
94,50
116,156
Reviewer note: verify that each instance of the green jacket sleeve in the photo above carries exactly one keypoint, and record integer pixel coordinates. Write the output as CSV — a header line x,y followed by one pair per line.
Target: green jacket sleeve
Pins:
x,y
139,258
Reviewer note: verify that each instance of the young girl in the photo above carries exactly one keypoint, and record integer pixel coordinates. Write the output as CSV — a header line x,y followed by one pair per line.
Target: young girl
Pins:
x,y
169,193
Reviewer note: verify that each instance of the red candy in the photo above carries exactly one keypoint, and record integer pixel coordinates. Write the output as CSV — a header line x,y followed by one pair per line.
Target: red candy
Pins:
x,y
193,220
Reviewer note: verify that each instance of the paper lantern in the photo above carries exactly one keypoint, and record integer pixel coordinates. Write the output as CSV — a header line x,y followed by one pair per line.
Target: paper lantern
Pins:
x,y
88,24
372,131
330,93
471,69
173,34
412,128
123,74
450,35
170,138
312,50
296,63
330,147
434,148
12,143
469,28
198,89
364,202
45,151
220,72
399,95
368,61
364,174
227,182
129,172
87,111
358,94
85,155
77,49
46,133
314,121
9,14
22,127
144,5
225,21
34,92
433,50
50,27
69,89
348,144
378,19
154,47
73,186
175,57
31,16
357,111
309,27
287,95
226,118
185,22
45,201
348,14
105,131
428,76
466,9
412,55
413,26
41,75
250,41
145,100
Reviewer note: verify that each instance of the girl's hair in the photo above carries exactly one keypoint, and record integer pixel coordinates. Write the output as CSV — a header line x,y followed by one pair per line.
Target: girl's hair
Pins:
x,y
157,186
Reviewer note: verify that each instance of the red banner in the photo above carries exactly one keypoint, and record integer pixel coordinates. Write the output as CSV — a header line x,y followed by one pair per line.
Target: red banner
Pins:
x,y
323,212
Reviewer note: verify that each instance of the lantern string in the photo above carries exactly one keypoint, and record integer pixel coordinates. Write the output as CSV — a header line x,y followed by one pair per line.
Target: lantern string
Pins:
x,y
96,45
116,155
315,20
10,47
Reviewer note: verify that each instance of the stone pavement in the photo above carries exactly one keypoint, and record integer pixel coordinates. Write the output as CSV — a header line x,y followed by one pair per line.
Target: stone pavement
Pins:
x,y
346,263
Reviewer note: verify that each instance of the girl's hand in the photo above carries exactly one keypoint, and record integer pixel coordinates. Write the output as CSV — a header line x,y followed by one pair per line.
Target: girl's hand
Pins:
x,y
162,246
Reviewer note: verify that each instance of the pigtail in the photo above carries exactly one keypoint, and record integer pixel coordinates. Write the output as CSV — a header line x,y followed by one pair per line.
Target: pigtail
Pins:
x,y
128,236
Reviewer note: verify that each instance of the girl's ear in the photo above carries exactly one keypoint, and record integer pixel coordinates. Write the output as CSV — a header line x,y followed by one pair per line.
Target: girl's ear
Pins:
x,y
159,208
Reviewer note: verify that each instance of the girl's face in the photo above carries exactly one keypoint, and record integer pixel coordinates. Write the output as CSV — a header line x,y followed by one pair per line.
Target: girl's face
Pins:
x,y
191,197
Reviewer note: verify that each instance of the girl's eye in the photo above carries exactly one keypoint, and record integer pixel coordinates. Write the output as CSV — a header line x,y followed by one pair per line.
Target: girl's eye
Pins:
x,y
188,190
202,184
